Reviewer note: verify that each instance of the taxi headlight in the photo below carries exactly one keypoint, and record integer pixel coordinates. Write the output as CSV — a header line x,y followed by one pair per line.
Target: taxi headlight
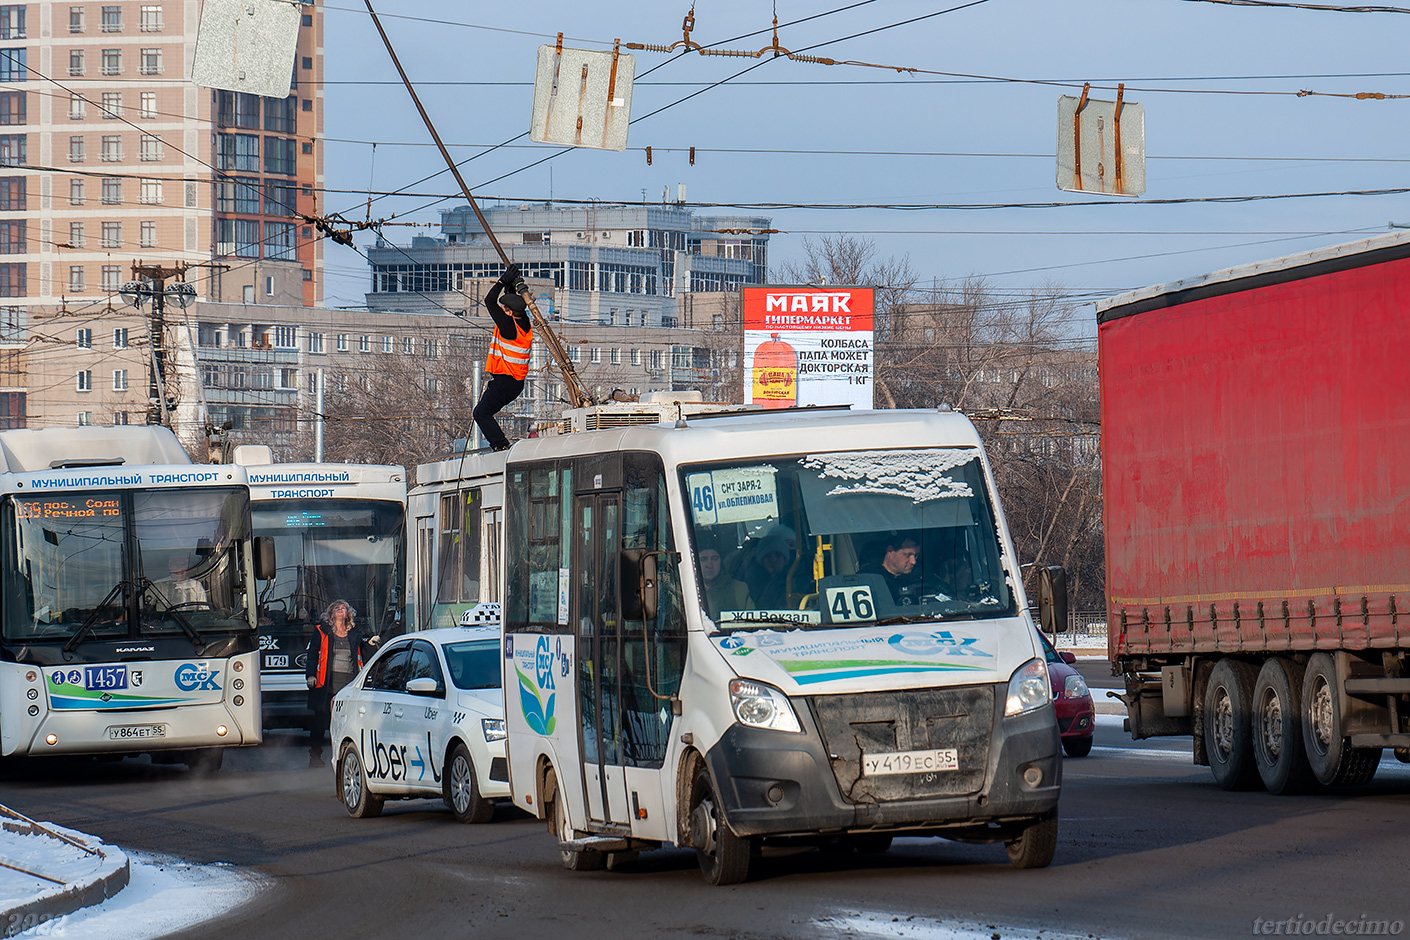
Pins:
x,y
1075,687
761,706
1028,688
493,728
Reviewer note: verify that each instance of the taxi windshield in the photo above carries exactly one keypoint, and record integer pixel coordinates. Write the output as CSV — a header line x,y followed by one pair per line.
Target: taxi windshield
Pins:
x,y
473,664
846,538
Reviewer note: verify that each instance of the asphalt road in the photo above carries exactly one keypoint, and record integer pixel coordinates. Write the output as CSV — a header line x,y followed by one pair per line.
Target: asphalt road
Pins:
x,y
1149,847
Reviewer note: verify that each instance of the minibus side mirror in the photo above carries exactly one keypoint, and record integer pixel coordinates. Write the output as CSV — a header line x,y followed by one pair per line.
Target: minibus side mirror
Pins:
x,y
1052,599
264,557
639,584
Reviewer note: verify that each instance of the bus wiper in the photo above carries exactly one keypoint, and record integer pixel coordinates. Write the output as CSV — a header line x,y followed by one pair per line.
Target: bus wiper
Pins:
x,y
144,585
928,618
87,625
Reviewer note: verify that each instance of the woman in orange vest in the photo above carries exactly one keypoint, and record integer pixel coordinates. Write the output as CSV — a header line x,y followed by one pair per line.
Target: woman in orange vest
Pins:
x,y
335,655
508,362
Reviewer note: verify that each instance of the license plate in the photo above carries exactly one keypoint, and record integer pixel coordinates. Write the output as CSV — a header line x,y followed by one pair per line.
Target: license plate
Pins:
x,y
104,678
128,732
910,762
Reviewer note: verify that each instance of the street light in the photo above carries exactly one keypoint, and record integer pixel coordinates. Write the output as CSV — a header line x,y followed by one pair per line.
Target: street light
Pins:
x,y
138,293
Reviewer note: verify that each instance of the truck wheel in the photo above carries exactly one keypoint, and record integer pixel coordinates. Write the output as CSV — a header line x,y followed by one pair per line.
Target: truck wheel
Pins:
x,y
723,856
1035,846
1228,724
1335,763
573,859
1277,728
352,785
462,790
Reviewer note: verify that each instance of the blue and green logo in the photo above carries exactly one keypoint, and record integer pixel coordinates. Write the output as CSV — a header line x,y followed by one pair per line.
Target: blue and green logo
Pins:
x,y
537,712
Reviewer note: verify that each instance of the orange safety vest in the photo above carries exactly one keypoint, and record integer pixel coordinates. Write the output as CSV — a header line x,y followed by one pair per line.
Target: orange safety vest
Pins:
x,y
322,676
510,356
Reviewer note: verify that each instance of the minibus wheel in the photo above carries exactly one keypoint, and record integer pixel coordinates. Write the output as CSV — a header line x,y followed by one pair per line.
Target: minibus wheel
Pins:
x,y
1035,845
723,856
573,859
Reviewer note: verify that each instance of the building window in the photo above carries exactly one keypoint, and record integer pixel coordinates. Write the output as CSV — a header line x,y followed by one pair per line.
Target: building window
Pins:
x,y
315,342
279,156
313,383
430,348
85,418
280,114
341,342
112,235
119,417
433,385
151,19
408,346
238,109
85,380
12,65
238,237
149,192
78,107
151,148
76,153
112,19
84,339
616,357
307,104
280,198
112,105
386,344
238,152
112,277
147,107
75,192
288,378
120,338
119,380
76,280
112,191
112,148
364,343
239,377
76,67
595,355
112,61
75,234
636,357
279,241
575,354
14,149
12,108
285,337
12,194
151,62
76,19
263,377
14,279
307,62
147,237
238,196
655,360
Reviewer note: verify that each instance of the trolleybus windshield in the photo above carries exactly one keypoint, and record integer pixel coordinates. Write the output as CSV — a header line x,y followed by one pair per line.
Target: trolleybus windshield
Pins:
x,y
840,539
123,563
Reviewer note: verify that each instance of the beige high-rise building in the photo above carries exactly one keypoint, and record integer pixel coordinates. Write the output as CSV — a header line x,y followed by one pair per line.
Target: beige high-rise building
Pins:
x,y
110,155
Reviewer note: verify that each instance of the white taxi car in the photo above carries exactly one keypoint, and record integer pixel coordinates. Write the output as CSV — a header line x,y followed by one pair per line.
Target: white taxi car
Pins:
x,y
424,719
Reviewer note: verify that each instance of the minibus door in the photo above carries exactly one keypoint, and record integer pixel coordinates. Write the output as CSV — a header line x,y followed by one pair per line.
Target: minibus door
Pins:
x,y
597,616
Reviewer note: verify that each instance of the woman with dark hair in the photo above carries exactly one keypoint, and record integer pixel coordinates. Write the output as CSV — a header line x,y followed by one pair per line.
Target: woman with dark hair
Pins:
x,y
335,655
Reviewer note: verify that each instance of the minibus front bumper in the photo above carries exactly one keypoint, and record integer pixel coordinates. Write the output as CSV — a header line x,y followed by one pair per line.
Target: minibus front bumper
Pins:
x,y
774,783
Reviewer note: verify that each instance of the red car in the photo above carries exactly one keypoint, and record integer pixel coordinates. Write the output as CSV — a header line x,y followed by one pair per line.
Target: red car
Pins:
x,y
1076,716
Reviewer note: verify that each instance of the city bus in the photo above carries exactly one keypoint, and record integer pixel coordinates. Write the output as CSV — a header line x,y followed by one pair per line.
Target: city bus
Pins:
x,y
793,627
339,532
127,607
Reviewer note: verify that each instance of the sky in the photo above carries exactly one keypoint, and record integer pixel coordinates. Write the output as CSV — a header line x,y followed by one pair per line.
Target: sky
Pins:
x,y
1218,82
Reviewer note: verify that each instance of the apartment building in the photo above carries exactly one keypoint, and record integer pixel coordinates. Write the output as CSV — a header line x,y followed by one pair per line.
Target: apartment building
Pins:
x,y
110,155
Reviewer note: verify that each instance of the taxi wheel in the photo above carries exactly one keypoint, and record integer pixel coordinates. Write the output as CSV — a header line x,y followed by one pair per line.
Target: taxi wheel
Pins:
x,y
462,793
352,785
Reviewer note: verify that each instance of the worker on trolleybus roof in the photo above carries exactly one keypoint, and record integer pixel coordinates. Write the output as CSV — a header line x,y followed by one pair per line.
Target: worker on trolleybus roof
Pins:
x,y
508,362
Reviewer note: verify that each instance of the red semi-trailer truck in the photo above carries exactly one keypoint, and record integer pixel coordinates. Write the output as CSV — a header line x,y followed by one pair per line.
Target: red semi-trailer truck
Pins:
x,y
1256,473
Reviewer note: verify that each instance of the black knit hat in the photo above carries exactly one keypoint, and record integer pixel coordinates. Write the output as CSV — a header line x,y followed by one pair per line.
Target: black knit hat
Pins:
x,y
513,301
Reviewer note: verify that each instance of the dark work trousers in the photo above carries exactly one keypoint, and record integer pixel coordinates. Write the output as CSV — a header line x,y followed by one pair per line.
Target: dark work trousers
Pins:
x,y
320,704
501,390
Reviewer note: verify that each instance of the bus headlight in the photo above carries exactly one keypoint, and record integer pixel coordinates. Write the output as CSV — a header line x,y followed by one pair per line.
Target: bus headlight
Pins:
x,y
493,728
1028,688
761,706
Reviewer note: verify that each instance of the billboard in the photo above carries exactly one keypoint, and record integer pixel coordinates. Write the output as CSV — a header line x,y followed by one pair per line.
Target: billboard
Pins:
x,y
808,346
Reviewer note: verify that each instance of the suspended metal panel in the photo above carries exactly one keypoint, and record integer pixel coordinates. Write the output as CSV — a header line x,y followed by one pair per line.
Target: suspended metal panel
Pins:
x,y
247,45
582,98
1101,146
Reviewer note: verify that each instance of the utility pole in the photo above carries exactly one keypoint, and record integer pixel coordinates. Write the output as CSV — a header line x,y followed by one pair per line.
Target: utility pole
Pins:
x,y
577,392
149,284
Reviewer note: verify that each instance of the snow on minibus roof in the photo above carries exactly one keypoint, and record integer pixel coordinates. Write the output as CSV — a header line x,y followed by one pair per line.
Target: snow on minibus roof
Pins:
x,y
31,450
1318,260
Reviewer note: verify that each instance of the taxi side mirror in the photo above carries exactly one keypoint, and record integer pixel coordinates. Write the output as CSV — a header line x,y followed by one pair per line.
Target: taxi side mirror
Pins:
x,y
424,685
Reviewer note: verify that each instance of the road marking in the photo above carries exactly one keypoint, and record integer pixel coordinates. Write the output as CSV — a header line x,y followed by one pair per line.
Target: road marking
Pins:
x,y
882,924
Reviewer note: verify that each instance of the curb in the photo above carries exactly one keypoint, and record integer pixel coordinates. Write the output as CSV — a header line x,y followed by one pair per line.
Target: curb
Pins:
x,y
110,875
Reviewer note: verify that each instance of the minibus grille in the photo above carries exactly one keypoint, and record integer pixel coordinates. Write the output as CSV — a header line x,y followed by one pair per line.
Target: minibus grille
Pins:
x,y
872,723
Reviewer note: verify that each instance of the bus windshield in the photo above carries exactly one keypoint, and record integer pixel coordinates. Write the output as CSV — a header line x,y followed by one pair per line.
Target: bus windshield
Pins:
x,y
847,538
332,549
126,563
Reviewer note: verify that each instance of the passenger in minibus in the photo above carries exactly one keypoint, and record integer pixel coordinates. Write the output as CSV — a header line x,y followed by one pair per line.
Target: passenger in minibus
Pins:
x,y
766,574
718,590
